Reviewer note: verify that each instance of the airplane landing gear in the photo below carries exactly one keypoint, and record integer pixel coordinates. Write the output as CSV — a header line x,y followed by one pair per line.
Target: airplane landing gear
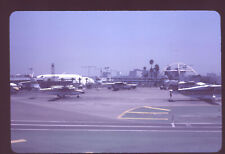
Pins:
x,y
213,99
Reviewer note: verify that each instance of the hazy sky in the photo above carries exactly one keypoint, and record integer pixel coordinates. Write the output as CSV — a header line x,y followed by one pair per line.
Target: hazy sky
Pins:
x,y
122,40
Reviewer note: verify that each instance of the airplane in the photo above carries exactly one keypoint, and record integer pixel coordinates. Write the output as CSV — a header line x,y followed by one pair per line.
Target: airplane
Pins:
x,y
62,91
59,77
14,88
59,90
108,85
87,81
200,90
74,78
169,84
29,85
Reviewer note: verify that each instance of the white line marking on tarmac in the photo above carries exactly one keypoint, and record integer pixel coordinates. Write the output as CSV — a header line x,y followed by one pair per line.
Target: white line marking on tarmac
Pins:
x,y
52,121
52,125
146,118
99,130
36,121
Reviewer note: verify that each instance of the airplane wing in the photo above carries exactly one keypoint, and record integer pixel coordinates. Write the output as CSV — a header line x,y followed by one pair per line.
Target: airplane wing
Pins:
x,y
62,91
45,89
204,87
108,83
205,91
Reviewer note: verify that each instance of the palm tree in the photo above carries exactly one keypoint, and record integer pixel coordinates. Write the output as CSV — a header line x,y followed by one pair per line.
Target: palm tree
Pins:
x,y
151,63
156,71
144,74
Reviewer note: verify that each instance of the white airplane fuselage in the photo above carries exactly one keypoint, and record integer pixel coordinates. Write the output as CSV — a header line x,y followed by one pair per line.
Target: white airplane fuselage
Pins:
x,y
75,78
207,92
57,77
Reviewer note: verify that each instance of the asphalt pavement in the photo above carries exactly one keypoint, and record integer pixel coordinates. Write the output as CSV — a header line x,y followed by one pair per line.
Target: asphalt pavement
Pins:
x,y
101,120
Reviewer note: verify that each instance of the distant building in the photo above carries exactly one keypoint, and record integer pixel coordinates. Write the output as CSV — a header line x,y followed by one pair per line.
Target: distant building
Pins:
x,y
213,78
106,73
19,78
136,73
144,73
212,75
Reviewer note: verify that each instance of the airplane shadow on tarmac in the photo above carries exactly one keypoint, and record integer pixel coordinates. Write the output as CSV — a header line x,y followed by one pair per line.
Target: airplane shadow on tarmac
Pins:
x,y
194,100
65,98
54,99
31,97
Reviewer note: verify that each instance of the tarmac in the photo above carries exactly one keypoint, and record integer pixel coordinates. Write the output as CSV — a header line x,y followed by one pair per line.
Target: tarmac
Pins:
x,y
102,120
